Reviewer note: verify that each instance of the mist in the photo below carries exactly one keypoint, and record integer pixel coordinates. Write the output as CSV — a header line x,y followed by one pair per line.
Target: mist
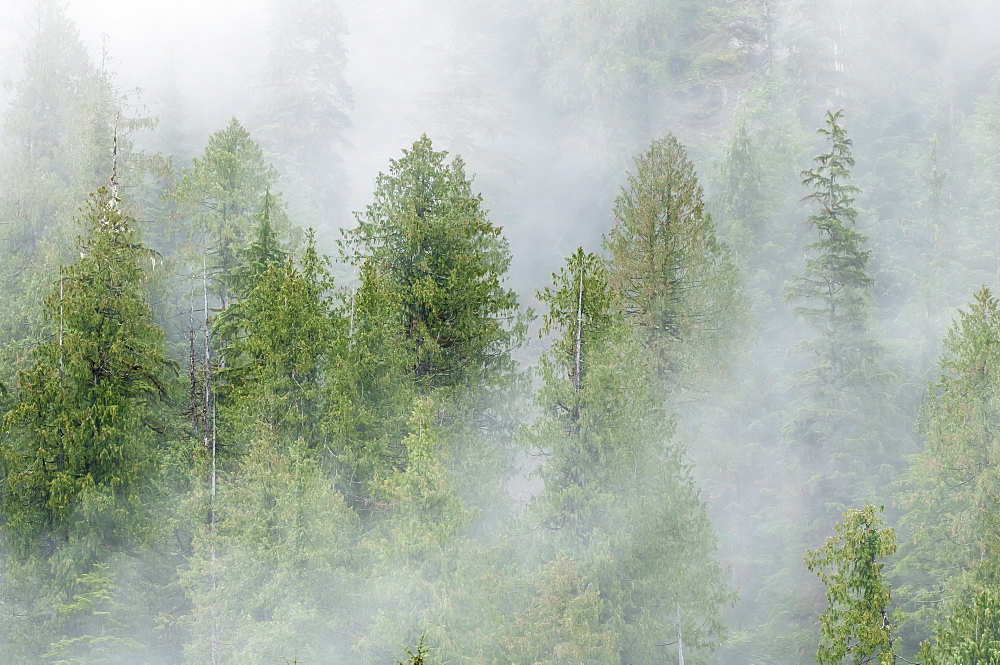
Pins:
x,y
520,331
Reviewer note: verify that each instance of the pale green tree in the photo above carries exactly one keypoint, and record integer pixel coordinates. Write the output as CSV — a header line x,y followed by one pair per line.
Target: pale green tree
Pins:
x,y
856,625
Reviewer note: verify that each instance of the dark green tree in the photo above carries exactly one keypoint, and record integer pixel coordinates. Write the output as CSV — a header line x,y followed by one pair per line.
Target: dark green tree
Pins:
x,y
85,434
431,314
842,395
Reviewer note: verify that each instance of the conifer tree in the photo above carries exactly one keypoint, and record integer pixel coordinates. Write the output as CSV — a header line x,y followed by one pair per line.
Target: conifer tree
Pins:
x,y
84,437
952,521
842,394
618,498
676,279
430,317
221,194
304,106
57,133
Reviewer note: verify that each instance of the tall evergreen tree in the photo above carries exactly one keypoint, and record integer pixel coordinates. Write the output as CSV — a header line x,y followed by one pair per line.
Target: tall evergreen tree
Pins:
x,y
952,521
431,308
618,498
220,195
676,279
304,106
85,434
57,135
842,394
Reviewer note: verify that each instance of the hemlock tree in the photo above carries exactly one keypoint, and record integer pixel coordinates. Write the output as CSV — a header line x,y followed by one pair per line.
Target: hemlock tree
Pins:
x,y
277,336
856,623
840,426
676,279
429,577
57,132
427,237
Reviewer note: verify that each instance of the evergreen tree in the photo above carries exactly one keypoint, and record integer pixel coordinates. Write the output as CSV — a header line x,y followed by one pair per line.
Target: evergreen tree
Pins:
x,y
83,438
970,634
277,337
842,395
676,280
617,496
64,117
429,577
431,314
304,106
952,522
221,194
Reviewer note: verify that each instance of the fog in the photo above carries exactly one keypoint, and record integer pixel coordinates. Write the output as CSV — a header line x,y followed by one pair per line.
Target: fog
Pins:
x,y
612,482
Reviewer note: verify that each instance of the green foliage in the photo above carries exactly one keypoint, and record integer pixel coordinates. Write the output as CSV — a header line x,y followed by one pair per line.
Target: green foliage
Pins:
x,y
428,242
952,517
835,285
221,194
562,625
431,317
83,434
276,338
676,280
856,622
617,495
58,128
94,619
971,633
274,577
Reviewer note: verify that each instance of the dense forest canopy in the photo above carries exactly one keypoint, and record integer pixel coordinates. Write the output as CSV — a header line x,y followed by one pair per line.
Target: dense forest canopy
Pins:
x,y
544,332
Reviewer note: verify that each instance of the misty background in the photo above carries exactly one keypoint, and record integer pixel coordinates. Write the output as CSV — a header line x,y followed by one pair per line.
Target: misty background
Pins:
x,y
550,103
